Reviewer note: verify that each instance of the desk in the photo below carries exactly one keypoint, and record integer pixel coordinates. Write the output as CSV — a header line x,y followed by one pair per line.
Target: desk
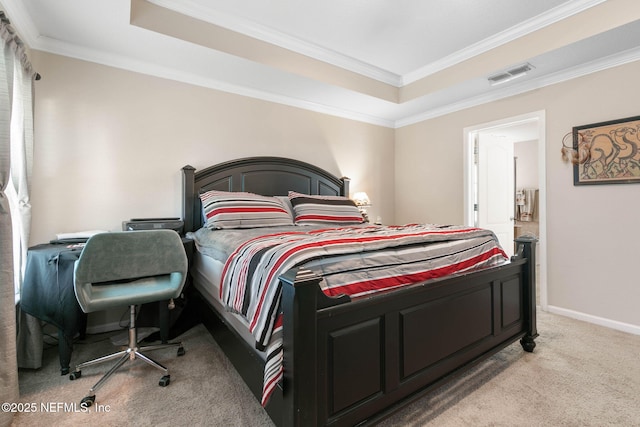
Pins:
x,y
47,293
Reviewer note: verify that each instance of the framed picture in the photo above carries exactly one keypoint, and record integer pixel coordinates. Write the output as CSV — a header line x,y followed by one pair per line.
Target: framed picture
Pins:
x,y
609,152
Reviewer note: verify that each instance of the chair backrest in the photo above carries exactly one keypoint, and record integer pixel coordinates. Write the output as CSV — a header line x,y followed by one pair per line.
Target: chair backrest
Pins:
x,y
130,267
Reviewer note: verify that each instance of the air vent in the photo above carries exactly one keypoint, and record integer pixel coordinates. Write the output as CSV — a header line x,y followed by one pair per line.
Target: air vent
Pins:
x,y
514,73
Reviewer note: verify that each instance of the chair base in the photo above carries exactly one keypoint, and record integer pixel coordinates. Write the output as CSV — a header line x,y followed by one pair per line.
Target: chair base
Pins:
x,y
131,353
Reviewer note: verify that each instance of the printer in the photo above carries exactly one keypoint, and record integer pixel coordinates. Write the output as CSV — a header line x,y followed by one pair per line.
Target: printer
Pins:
x,y
136,224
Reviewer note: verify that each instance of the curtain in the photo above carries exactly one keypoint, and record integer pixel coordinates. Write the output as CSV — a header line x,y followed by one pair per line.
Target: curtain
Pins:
x,y
16,146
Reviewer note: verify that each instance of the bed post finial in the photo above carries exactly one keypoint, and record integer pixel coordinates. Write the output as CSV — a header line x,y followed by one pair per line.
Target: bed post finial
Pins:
x,y
188,189
345,186
526,247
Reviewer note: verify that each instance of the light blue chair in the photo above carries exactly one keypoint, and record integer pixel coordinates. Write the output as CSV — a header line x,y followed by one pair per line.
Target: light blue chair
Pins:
x,y
129,268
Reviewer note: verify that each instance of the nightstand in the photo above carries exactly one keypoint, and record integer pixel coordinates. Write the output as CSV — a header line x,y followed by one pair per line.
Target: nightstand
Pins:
x,y
159,314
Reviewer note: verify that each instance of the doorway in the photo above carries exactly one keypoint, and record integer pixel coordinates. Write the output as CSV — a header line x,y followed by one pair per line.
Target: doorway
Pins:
x,y
491,192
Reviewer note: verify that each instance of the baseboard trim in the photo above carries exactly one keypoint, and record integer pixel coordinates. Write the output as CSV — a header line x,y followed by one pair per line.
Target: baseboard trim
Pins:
x,y
613,324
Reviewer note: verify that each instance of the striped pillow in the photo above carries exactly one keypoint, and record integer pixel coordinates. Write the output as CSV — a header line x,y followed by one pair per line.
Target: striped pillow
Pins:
x,y
312,210
222,209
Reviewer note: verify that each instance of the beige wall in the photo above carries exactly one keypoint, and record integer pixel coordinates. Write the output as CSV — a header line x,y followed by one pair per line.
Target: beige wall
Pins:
x,y
110,144
592,231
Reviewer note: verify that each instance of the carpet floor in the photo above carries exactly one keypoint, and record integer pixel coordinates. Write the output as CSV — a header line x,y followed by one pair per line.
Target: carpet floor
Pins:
x,y
580,374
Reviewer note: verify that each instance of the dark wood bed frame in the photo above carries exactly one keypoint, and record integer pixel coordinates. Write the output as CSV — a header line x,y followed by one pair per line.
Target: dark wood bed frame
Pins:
x,y
354,362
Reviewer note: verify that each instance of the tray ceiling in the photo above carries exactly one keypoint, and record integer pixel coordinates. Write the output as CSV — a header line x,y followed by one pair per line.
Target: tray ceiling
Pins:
x,y
381,62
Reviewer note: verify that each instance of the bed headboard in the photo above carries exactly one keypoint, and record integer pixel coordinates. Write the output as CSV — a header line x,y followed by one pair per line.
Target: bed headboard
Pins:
x,y
269,176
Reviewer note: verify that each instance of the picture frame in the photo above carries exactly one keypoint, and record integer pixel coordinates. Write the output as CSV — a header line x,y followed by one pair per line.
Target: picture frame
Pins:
x,y
608,152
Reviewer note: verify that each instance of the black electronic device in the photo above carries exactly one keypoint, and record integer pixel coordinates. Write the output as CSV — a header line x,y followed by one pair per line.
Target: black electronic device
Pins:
x,y
136,224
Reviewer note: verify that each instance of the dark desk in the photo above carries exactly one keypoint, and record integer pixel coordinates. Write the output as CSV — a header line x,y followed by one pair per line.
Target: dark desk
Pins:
x,y
47,293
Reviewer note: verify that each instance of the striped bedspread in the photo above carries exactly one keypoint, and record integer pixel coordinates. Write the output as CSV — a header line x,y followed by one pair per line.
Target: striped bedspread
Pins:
x,y
356,261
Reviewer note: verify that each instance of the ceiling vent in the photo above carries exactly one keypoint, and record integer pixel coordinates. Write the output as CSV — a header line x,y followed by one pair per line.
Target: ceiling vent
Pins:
x,y
507,76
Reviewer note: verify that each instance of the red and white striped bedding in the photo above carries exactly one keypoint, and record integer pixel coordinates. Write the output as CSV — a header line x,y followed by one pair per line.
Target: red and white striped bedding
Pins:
x,y
356,261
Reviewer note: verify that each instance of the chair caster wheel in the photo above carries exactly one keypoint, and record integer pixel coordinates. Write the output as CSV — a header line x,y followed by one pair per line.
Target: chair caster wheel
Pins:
x,y
87,401
75,375
164,381
181,351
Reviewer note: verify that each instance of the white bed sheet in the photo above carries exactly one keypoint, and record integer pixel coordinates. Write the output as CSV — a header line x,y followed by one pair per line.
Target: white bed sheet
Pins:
x,y
206,273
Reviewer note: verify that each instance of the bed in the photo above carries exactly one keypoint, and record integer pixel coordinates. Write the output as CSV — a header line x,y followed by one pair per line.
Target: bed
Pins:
x,y
352,361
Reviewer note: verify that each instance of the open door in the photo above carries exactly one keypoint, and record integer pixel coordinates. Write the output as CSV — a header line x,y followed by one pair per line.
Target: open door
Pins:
x,y
496,188
499,159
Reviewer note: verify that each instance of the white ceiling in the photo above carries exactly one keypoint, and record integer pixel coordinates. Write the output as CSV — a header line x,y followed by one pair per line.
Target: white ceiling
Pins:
x,y
398,37
390,63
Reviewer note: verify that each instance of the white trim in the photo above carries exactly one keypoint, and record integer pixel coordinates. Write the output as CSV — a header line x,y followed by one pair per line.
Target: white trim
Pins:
x,y
542,211
313,50
57,47
611,61
21,19
601,321
554,15
277,38
467,202
123,62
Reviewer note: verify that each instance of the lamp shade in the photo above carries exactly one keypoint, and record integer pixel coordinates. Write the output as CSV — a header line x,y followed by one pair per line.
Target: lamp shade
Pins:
x,y
361,199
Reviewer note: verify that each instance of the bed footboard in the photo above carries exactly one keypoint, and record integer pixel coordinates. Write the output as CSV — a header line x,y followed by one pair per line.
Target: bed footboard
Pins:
x,y
352,363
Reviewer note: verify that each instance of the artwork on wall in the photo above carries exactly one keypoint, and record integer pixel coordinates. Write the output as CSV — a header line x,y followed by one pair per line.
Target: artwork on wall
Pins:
x,y
607,152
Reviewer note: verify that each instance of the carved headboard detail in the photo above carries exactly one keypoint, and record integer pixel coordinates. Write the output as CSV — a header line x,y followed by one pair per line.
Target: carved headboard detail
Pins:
x,y
269,176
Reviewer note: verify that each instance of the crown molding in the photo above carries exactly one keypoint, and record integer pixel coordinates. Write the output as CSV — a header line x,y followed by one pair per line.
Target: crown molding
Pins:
x,y
611,61
277,38
28,32
337,59
21,21
552,16
117,61
127,63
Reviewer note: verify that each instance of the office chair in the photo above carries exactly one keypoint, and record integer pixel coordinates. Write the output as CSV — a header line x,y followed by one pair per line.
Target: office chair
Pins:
x,y
129,268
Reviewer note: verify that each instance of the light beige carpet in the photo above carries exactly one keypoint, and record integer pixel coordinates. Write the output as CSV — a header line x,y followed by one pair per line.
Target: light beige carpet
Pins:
x,y
579,375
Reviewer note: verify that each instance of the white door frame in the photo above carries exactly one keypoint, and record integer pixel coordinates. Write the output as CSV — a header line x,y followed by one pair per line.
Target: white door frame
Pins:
x,y
469,191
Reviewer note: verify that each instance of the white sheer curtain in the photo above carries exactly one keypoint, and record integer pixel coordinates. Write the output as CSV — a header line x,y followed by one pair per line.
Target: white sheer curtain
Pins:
x,y
21,165
16,153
